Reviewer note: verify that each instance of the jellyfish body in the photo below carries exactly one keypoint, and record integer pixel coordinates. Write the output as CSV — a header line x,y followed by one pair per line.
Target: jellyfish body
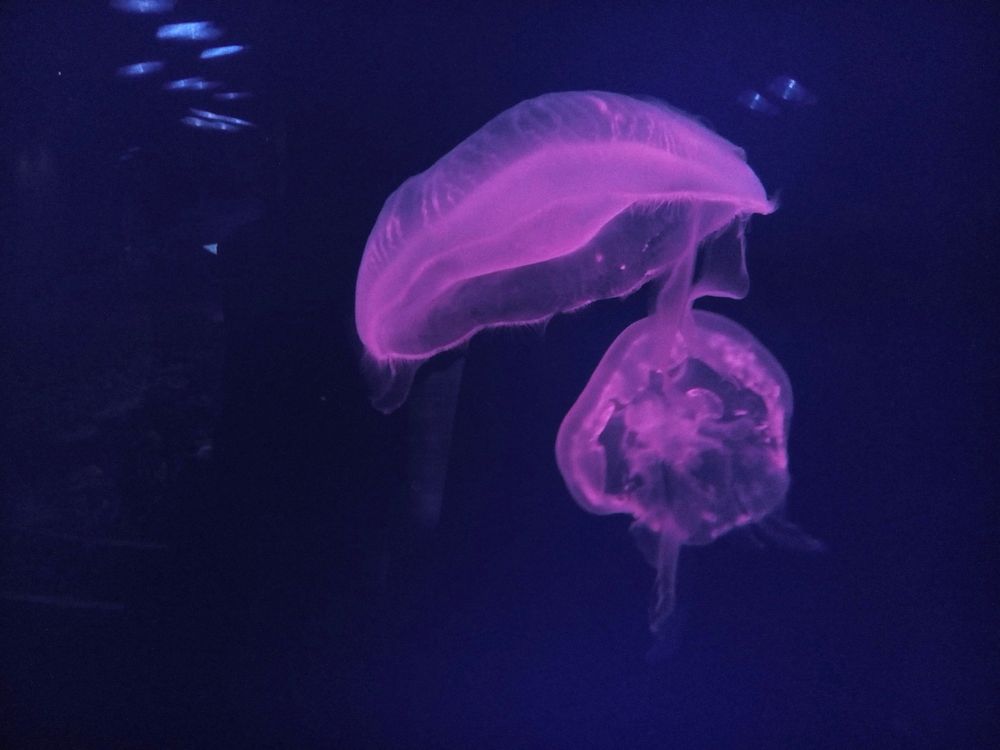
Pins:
x,y
559,201
684,426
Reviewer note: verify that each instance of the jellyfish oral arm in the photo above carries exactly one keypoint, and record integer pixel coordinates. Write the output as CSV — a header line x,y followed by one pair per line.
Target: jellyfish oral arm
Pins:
x,y
662,550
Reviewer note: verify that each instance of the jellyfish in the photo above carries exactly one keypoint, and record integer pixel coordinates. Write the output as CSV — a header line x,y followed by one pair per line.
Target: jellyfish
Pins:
x,y
141,69
561,200
143,6
684,426
189,31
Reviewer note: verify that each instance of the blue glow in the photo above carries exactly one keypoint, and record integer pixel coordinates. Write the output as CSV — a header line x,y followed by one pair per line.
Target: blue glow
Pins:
x,y
200,123
791,91
191,84
212,247
190,31
143,6
221,118
758,103
128,153
232,49
229,96
140,69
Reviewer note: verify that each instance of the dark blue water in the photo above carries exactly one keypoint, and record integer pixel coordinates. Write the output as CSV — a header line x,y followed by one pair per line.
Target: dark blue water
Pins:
x,y
204,540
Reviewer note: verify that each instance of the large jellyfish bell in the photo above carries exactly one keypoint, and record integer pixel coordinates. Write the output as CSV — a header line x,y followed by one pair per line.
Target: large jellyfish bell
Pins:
x,y
559,201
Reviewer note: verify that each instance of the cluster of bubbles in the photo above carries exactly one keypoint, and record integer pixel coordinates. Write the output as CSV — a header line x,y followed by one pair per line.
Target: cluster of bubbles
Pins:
x,y
782,90
189,32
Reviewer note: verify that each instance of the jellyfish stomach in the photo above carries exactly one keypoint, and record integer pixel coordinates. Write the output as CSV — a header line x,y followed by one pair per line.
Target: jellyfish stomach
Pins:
x,y
693,470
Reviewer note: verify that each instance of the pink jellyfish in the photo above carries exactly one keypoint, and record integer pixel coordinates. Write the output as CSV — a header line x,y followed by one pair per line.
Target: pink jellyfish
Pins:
x,y
684,427
557,202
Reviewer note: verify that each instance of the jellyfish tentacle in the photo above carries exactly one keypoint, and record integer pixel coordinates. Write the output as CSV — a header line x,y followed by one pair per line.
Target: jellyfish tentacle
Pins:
x,y
665,587
661,549
776,530
431,422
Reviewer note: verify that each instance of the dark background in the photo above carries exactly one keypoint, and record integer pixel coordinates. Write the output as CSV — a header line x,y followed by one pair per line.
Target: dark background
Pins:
x,y
202,537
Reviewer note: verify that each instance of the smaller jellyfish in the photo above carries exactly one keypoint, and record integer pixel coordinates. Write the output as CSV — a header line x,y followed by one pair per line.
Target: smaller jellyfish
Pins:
x,y
140,69
129,153
684,427
237,121
189,31
231,96
201,123
214,52
196,83
790,90
757,102
143,6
